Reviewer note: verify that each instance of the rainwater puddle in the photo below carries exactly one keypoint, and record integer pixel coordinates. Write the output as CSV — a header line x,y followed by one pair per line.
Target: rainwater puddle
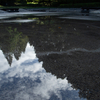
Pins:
x,y
49,58
83,16
18,21
26,79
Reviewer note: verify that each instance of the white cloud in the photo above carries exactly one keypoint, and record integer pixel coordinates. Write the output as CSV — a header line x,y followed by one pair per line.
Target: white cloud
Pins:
x,y
43,84
3,63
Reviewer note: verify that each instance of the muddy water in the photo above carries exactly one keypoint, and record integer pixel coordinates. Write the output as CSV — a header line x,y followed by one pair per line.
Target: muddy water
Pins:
x,y
49,58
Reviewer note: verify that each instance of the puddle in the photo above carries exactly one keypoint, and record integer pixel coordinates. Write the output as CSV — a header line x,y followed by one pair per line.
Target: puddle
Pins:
x,y
49,58
82,16
2,17
16,14
18,21
27,79
64,13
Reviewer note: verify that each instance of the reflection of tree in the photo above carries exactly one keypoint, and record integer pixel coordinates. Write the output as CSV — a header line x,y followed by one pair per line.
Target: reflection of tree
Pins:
x,y
14,44
50,35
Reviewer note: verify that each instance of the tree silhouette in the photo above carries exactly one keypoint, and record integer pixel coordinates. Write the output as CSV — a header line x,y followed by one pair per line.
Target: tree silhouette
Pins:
x,y
14,44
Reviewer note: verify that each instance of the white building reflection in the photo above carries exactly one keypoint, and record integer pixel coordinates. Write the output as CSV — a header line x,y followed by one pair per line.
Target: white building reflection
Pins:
x,y
26,79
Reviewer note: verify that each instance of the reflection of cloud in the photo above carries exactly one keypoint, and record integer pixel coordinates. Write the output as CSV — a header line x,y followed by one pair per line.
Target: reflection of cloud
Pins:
x,y
50,84
3,62
91,18
27,80
18,21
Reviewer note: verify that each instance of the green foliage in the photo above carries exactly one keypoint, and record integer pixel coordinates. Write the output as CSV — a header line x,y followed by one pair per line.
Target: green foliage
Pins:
x,y
30,0
23,1
96,4
52,3
7,2
16,40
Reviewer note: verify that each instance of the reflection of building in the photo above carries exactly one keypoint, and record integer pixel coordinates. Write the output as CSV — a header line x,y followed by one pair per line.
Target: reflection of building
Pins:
x,y
68,48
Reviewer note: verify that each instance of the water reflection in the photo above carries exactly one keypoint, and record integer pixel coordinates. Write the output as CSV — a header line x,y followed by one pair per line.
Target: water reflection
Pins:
x,y
61,59
13,44
26,79
18,21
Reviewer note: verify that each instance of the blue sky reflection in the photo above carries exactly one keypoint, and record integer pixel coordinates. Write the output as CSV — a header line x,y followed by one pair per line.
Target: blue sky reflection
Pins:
x,y
26,79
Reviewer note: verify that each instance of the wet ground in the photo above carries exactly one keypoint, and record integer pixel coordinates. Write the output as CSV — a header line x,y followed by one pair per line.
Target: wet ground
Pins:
x,y
49,56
